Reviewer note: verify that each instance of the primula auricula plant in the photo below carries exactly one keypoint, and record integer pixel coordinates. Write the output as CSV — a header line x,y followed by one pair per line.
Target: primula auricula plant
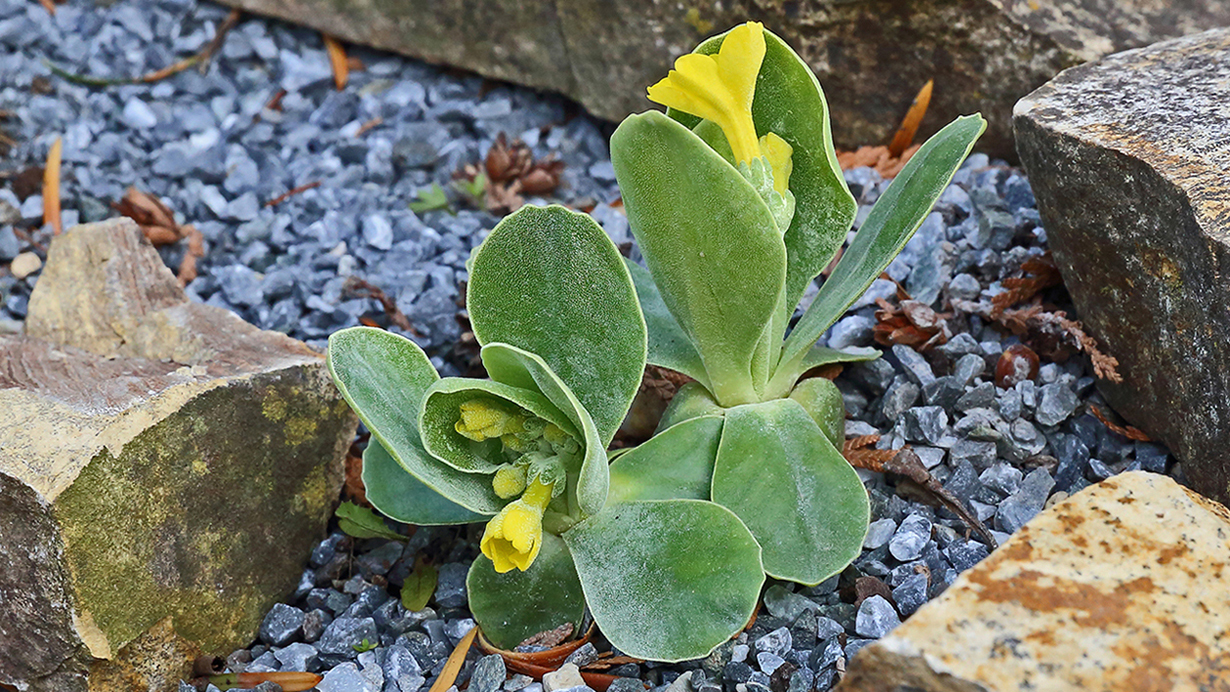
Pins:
x,y
737,203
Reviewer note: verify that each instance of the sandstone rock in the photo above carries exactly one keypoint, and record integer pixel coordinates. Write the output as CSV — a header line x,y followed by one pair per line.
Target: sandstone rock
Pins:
x,y
1130,160
164,469
871,56
1117,588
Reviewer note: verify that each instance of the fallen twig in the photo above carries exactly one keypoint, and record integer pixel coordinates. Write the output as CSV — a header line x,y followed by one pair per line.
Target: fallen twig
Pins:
x,y
905,463
358,287
219,36
291,193
1128,431
369,126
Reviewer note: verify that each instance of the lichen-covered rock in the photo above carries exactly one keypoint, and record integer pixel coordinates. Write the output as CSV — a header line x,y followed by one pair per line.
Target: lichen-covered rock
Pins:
x,y
1116,588
164,469
871,56
1130,160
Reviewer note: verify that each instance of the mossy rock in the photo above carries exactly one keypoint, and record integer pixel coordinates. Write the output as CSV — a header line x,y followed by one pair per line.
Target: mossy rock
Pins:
x,y
164,466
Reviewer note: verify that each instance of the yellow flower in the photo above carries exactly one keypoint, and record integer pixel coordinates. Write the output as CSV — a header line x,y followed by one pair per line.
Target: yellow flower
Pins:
x,y
514,536
481,420
720,87
509,480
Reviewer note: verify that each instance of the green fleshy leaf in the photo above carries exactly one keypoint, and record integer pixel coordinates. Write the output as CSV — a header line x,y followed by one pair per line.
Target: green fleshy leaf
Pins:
x,y
677,463
667,580
420,585
515,605
383,377
669,346
550,281
709,241
442,409
790,103
897,214
361,522
786,377
822,401
518,368
691,401
794,490
399,495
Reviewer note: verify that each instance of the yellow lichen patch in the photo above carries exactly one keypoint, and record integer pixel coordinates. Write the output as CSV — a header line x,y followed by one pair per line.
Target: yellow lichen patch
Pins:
x,y
274,407
300,430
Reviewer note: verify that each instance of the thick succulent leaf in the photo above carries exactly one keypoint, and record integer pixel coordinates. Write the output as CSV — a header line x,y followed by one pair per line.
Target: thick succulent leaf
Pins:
x,y
669,346
677,463
515,605
384,377
794,490
790,103
550,281
691,401
667,580
399,495
709,241
785,377
897,214
518,368
822,401
442,408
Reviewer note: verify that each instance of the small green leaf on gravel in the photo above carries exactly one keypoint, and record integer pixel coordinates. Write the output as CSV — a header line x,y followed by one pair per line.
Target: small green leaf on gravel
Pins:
x,y
431,199
420,585
361,522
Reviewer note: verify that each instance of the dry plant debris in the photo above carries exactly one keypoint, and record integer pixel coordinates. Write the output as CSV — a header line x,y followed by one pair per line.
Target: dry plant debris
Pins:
x,y
338,61
910,322
354,286
859,451
51,188
889,160
511,172
292,192
913,118
157,222
1127,431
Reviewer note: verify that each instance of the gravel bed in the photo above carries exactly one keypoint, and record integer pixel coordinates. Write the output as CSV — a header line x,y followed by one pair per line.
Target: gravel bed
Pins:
x,y
208,145
211,149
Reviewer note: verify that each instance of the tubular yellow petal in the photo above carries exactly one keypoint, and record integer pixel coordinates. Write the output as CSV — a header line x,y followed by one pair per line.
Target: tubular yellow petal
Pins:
x,y
509,481
739,60
778,152
720,88
513,537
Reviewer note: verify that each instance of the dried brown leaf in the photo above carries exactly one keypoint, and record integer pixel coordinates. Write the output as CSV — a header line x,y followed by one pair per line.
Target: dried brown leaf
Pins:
x,y
913,118
550,638
51,188
337,60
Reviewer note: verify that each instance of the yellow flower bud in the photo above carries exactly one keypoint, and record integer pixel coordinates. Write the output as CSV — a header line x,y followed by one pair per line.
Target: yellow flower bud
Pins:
x,y
514,536
720,87
481,420
778,153
509,481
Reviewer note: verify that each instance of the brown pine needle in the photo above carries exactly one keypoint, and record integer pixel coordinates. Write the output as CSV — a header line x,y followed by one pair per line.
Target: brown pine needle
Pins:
x,y
48,5
913,118
288,681
51,188
368,126
291,193
337,58
455,660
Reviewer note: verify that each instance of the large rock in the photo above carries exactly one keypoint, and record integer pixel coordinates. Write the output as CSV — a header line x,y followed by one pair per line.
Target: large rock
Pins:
x,y
1118,588
871,56
1130,161
165,468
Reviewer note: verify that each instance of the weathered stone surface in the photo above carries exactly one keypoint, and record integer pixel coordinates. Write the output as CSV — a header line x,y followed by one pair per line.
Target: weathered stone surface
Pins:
x,y
1130,160
1116,588
164,469
871,56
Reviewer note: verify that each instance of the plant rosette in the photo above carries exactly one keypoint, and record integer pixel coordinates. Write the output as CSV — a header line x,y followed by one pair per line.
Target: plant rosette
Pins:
x,y
563,341
737,202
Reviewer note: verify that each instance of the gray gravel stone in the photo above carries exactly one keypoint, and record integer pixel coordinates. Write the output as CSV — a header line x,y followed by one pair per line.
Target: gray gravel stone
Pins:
x,y
925,424
908,541
345,678
876,618
916,367
777,642
343,634
1055,403
298,657
281,624
879,533
489,674
1026,502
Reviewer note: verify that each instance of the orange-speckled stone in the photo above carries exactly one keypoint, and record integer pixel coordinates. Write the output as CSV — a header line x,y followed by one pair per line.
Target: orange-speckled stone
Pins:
x,y
1120,588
